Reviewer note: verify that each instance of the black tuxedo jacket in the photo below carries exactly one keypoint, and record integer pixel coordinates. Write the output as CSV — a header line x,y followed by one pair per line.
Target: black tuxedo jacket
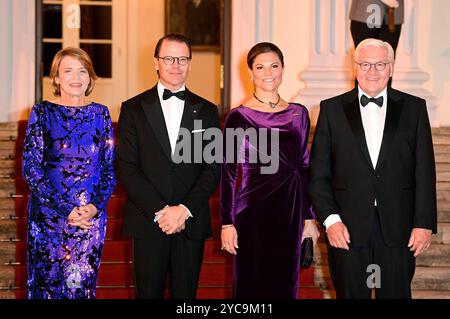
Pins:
x,y
151,178
343,180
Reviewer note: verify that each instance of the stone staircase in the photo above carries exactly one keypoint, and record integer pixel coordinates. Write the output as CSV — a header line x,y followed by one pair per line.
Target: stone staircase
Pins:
x,y
432,276
8,139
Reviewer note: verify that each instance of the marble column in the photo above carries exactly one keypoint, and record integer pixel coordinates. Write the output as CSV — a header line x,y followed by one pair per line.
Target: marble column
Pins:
x,y
330,71
408,76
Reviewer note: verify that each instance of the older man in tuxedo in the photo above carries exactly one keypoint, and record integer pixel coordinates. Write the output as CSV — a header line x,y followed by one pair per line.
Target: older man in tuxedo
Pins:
x,y
373,180
167,210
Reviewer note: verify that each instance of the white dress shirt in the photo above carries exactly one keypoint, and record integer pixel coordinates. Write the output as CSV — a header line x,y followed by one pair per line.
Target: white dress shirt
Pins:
x,y
373,118
172,109
173,112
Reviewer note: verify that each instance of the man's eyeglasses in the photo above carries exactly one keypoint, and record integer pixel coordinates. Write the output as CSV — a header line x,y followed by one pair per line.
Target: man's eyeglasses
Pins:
x,y
379,66
169,60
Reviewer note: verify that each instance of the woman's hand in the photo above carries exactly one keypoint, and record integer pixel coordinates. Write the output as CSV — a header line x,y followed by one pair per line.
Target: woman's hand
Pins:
x,y
229,239
89,211
310,229
82,216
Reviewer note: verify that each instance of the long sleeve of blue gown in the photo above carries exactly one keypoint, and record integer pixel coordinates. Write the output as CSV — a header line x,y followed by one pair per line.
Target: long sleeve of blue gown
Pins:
x,y
33,167
107,182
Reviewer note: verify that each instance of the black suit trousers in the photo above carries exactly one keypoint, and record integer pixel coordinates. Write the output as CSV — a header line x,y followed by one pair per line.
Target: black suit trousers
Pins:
x,y
361,31
351,270
173,257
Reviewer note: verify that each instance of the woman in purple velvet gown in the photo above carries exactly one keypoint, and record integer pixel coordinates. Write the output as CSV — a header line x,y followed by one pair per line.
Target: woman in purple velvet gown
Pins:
x,y
266,215
68,165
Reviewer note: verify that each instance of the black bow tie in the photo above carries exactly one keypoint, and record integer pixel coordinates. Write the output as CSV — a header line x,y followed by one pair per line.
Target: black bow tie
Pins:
x,y
365,100
168,94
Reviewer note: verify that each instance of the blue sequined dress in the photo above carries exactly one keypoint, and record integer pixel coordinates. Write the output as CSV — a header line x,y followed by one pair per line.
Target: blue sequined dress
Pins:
x,y
67,162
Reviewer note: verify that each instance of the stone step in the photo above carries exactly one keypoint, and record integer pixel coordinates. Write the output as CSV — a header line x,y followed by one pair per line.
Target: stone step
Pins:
x,y
6,182
443,234
12,126
431,294
445,130
442,194
8,131
7,164
8,229
7,203
443,176
10,277
6,172
443,216
7,192
441,135
6,154
425,278
443,204
443,186
7,145
442,153
7,252
7,187
416,294
442,167
431,278
7,294
441,139
6,213
443,172
437,255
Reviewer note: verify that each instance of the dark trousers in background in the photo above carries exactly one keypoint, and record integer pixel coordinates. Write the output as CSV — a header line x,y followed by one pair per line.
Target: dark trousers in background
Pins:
x,y
361,31
176,256
348,269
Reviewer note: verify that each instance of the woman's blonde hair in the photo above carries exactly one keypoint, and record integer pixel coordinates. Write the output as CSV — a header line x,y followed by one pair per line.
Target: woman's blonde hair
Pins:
x,y
81,56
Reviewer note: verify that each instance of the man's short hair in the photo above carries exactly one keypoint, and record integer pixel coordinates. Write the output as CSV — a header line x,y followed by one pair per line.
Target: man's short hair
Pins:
x,y
371,42
173,37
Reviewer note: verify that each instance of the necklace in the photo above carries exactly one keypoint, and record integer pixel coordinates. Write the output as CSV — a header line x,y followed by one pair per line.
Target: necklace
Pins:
x,y
271,104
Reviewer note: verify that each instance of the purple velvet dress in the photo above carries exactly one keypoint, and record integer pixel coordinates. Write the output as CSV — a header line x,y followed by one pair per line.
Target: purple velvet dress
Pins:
x,y
67,162
267,209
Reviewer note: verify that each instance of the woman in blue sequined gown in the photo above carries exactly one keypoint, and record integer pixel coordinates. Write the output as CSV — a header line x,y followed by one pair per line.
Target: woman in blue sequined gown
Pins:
x,y
68,165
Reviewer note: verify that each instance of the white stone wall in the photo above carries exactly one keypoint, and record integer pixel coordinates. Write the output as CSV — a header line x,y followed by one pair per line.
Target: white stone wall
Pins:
x,y
17,55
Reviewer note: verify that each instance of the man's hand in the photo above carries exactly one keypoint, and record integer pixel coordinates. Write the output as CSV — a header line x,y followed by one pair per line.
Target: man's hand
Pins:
x,y
338,235
172,219
420,240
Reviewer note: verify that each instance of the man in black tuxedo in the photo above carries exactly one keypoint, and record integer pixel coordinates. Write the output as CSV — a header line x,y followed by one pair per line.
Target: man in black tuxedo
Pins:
x,y
167,209
373,180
